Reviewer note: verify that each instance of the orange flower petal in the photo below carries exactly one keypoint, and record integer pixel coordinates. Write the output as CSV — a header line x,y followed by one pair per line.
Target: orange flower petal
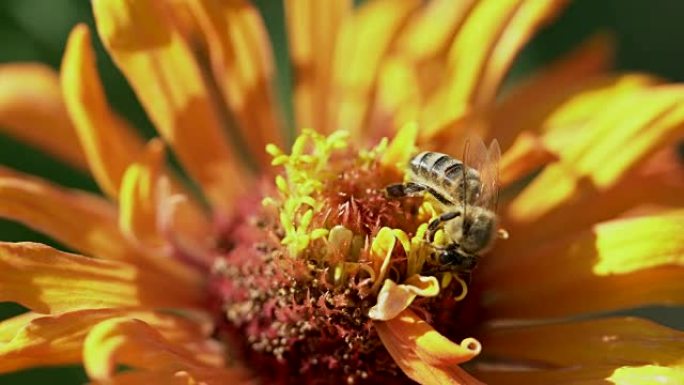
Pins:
x,y
110,144
482,51
564,376
134,343
659,181
49,281
182,224
560,111
415,68
146,377
138,198
603,154
423,354
160,67
156,213
642,375
597,270
526,154
58,340
393,298
51,210
242,64
606,342
11,326
365,38
313,27
397,98
575,105
184,377
554,110
32,110
574,76
430,32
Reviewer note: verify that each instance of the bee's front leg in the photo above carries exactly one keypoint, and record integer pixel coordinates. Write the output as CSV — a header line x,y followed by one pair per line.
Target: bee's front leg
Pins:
x,y
436,223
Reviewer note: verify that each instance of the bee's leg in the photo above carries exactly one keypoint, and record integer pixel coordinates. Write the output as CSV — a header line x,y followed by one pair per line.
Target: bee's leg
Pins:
x,y
435,224
400,190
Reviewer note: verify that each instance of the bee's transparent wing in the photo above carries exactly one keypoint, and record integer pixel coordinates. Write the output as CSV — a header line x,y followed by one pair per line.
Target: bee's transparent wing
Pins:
x,y
489,176
475,157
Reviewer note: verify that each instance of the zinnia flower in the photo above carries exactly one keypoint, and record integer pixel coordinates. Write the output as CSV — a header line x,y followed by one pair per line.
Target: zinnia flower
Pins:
x,y
293,266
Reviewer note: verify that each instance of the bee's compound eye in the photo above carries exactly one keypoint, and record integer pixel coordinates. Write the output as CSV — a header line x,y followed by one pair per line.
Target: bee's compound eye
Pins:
x,y
449,257
457,260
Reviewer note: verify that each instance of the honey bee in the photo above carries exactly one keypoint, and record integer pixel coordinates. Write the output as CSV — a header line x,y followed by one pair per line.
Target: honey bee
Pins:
x,y
466,193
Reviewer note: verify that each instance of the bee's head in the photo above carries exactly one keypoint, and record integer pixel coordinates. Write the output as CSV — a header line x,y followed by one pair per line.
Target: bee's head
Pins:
x,y
479,229
452,256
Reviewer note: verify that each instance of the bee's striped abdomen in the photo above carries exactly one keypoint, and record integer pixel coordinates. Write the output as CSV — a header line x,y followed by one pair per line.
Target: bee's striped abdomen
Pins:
x,y
443,176
434,164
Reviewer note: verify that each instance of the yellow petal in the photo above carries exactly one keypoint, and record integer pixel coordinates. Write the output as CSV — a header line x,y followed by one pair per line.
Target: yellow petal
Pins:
x,y
109,142
313,27
402,147
416,66
483,50
564,108
32,110
134,343
637,244
648,374
393,298
365,38
11,326
49,281
605,342
398,97
630,262
58,339
604,154
555,103
138,198
658,181
423,354
491,38
575,75
182,224
165,76
242,66
381,254
578,104
430,32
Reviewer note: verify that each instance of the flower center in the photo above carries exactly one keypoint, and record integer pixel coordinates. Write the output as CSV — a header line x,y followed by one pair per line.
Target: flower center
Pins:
x,y
326,254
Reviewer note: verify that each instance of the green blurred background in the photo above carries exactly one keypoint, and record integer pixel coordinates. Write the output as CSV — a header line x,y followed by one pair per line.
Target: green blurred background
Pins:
x,y
649,35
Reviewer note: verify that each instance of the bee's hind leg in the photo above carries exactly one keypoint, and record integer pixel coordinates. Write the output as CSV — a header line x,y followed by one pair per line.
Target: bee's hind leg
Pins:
x,y
400,190
436,223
